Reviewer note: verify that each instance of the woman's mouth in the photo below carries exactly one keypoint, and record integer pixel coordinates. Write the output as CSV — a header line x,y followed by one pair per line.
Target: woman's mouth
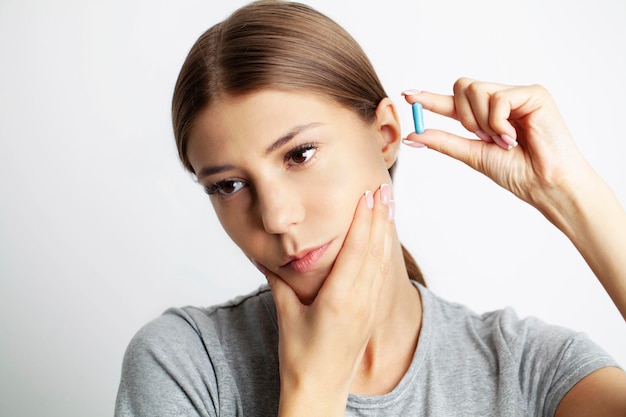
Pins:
x,y
308,261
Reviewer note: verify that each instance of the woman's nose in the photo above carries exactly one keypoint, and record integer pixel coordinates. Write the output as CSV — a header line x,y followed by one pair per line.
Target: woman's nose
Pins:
x,y
280,208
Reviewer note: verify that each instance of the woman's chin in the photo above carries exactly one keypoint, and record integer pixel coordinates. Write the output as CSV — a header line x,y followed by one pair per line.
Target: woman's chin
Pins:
x,y
307,288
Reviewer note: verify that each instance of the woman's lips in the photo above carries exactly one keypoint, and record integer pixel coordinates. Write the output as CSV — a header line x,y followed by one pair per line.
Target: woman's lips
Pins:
x,y
308,261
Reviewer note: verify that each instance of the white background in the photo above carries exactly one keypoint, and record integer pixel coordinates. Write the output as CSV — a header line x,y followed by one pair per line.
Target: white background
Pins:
x,y
101,229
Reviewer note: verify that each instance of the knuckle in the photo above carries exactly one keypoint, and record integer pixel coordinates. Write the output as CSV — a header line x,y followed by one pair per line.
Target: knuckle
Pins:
x,y
361,310
334,304
474,89
357,247
376,250
539,88
383,267
461,84
381,209
469,124
498,98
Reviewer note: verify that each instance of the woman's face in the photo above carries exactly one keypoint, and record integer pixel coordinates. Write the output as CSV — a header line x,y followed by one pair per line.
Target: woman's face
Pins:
x,y
284,172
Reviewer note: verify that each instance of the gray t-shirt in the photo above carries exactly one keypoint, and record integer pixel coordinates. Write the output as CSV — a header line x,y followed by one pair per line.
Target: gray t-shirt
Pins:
x,y
223,361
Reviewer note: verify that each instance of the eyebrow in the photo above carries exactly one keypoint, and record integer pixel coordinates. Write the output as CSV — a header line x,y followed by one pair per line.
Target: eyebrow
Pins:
x,y
283,140
279,143
211,170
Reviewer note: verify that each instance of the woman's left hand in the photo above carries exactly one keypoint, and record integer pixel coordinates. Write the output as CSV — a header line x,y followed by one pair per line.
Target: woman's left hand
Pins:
x,y
504,117
526,148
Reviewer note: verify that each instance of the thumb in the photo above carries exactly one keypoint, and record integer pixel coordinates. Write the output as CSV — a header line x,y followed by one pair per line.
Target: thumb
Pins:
x,y
463,149
285,298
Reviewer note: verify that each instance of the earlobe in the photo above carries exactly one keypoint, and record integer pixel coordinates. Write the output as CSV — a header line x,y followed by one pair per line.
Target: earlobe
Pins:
x,y
388,126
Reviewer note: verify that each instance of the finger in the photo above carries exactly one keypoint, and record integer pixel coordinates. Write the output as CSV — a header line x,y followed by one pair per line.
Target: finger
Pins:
x,y
517,103
285,298
342,277
463,149
464,108
376,265
377,260
480,107
445,104
483,136
365,244
487,111
360,274
436,103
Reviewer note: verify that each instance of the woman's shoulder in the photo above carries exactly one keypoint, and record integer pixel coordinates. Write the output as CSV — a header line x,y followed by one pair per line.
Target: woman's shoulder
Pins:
x,y
505,334
174,355
504,322
253,310
503,337
537,360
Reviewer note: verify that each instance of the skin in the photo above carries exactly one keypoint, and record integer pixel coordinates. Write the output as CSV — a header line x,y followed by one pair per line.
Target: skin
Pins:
x,y
341,331
287,209
343,321
546,170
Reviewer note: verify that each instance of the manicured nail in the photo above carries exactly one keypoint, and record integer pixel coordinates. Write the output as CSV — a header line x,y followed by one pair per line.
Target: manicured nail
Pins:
x,y
500,142
410,92
509,141
483,136
385,193
391,207
369,199
413,144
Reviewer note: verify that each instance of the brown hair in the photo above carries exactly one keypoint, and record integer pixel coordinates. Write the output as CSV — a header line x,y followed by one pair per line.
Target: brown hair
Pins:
x,y
273,43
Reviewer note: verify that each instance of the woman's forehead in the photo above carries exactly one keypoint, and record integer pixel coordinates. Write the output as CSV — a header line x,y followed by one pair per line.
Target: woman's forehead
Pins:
x,y
265,115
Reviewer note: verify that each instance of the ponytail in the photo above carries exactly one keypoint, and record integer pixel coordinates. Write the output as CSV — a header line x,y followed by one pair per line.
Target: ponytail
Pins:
x,y
411,267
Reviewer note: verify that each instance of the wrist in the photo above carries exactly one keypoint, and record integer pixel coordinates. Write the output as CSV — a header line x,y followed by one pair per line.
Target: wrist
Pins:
x,y
301,402
571,201
591,216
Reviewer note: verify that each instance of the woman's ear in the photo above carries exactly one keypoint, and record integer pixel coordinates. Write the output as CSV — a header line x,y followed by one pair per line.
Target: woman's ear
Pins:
x,y
388,126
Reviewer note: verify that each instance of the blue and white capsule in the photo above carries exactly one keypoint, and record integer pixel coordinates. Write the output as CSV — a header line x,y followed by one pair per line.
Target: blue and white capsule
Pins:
x,y
418,117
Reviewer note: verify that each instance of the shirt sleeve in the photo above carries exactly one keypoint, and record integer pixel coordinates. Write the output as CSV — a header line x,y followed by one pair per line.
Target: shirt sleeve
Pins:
x,y
551,360
167,372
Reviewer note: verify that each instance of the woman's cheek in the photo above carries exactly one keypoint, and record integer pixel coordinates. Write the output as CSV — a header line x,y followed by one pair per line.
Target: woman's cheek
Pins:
x,y
236,219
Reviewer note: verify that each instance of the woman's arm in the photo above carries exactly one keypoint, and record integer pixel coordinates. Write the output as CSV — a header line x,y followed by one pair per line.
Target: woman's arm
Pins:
x,y
538,161
526,148
588,212
600,393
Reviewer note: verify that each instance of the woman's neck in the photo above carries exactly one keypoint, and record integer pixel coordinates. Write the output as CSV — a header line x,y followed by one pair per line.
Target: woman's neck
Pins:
x,y
390,350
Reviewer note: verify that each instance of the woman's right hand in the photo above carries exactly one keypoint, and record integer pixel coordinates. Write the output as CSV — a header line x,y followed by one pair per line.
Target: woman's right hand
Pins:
x,y
322,344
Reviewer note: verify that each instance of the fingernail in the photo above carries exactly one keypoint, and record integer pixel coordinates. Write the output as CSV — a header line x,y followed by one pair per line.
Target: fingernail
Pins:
x,y
509,141
385,193
483,136
410,92
413,144
391,213
369,199
500,142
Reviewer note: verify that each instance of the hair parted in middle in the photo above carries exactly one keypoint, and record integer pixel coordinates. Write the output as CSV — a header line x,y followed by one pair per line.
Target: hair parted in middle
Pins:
x,y
274,44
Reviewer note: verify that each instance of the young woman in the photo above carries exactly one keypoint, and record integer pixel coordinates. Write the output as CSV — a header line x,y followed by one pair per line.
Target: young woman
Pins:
x,y
282,119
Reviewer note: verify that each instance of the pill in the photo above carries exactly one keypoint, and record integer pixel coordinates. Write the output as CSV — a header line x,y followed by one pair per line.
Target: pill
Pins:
x,y
418,117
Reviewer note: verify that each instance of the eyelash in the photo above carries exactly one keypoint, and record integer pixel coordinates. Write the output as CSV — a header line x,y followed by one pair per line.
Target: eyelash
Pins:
x,y
218,187
300,150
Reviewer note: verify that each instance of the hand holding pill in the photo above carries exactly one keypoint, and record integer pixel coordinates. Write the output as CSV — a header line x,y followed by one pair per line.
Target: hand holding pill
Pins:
x,y
501,117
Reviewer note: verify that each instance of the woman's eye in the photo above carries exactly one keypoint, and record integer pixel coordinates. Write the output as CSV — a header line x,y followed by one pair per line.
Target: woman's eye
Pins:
x,y
300,155
226,187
